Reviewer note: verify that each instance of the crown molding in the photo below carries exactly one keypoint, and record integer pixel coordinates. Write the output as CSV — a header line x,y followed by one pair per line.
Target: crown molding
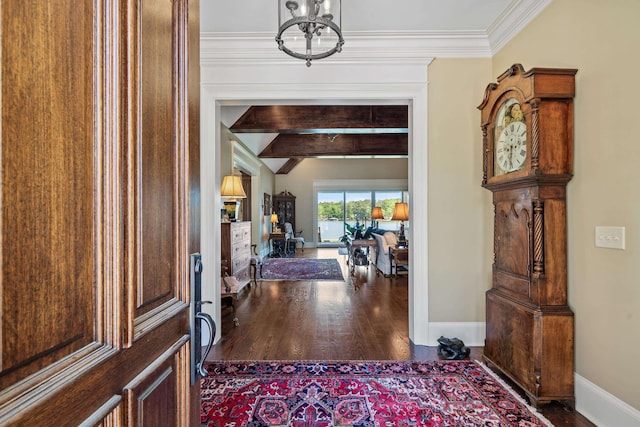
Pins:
x,y
380,46
392,47
517,15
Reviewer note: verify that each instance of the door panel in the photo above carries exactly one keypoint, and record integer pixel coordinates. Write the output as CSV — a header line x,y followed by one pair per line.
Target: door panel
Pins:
x,y
157,147
98,211
47,171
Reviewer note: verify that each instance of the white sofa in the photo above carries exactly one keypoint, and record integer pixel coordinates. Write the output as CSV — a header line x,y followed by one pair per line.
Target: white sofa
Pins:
x,y
380,254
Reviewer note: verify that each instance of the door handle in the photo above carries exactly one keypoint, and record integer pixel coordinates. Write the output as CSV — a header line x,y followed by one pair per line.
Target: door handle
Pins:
x,y
197,317
204,317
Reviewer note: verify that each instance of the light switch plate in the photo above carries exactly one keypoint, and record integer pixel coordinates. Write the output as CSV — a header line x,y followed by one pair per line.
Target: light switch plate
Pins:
x,y
610,237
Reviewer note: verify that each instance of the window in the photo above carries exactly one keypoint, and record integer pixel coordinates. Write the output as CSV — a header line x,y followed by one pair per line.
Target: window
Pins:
x,y
337,208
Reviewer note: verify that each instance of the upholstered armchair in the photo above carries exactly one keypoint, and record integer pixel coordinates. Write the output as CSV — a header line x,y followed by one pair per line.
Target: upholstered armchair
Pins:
x,y
292,236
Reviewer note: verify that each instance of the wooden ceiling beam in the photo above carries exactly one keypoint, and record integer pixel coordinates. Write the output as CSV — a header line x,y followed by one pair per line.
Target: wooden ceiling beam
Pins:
x,y
318,145
324,119
288,167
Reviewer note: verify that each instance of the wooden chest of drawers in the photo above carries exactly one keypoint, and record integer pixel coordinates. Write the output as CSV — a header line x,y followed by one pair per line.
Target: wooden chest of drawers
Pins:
x,y
236,249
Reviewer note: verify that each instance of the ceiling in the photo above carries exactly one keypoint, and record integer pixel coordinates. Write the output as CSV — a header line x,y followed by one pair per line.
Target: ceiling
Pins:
x,y
256,16
283,135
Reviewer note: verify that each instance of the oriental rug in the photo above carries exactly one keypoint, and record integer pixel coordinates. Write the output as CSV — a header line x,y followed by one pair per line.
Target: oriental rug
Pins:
x,y
360,394
301,269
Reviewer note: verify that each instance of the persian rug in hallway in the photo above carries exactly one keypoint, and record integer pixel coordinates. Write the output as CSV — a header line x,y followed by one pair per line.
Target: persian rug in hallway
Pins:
x,y
301,269
360,394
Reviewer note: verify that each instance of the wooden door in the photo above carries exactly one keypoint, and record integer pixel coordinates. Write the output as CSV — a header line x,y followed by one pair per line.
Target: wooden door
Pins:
x,y
99,211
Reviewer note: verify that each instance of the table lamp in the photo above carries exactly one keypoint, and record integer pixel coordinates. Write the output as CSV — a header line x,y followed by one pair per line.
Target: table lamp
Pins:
x,y
376,214
401,213
232,190
274,221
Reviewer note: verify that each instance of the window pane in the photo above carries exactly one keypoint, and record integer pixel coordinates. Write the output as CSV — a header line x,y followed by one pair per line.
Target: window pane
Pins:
x,y
330,216
358,208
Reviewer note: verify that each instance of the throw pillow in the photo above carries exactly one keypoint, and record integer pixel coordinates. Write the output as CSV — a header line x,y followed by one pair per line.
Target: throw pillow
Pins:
x,y
231,284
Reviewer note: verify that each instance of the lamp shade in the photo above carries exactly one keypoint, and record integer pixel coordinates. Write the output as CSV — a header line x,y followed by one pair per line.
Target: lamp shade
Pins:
x,y
377,213
274,218
401,212
232,187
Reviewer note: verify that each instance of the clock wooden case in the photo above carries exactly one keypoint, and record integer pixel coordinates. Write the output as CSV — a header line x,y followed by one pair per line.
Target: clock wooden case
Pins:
x,y
527,128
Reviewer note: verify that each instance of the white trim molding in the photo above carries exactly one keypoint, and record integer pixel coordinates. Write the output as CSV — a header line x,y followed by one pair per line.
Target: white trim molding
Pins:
x,y
245,160
359,184
361,47
515,17
385,46
601,407
471,333
372,81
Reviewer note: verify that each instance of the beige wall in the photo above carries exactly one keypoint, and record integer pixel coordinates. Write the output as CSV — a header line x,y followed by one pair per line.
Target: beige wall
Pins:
x,y
265,184
460,210
600,39
300,182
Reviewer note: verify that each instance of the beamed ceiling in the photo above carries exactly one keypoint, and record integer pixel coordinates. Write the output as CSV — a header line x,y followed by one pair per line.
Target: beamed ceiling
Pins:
x,y
305,131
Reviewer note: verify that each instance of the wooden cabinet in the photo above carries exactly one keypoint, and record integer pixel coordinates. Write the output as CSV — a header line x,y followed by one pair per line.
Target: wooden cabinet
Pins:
x,y
284,204
527,126
236,249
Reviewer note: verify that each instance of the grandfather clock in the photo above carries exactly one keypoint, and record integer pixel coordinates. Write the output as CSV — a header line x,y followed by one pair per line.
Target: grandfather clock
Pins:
x,y
527,127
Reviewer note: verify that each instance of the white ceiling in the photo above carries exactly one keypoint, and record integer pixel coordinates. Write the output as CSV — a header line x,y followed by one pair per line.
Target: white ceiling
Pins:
x,y
251,16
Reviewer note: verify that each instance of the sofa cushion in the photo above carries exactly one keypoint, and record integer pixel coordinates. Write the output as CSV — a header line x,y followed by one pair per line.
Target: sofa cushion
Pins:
x,y
391,238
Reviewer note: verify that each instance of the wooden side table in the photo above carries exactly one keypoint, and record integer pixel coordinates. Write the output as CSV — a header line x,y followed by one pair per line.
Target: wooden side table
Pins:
x,y
362,244
399,257
277,241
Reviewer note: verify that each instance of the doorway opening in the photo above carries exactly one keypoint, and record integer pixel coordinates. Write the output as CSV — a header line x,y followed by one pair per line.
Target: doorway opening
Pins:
x,y
232,85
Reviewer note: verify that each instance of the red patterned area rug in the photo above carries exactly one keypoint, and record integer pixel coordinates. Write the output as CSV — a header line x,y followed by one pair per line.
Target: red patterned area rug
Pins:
x,y
360,394
301,269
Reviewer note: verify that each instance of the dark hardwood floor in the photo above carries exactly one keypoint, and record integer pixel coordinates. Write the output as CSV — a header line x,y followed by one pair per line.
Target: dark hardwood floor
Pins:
x,y
364,318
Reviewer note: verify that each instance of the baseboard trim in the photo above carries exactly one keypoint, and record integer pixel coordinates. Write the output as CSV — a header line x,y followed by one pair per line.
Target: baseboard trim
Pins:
x,y
601,407
596,404
471,333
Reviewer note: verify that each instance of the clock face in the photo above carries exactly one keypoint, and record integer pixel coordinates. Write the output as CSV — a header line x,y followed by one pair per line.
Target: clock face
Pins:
x,y
510,138
511,148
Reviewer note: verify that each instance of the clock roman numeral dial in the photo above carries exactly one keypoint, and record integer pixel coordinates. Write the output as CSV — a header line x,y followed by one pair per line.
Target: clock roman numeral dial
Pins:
x,y
511,147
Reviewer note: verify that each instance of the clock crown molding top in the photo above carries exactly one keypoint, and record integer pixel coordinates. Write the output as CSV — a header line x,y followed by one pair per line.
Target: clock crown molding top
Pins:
x,y
536,83
527,125
381,46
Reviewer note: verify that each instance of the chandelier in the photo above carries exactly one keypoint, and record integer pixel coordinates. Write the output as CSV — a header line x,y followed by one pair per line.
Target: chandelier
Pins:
x,y
318,22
